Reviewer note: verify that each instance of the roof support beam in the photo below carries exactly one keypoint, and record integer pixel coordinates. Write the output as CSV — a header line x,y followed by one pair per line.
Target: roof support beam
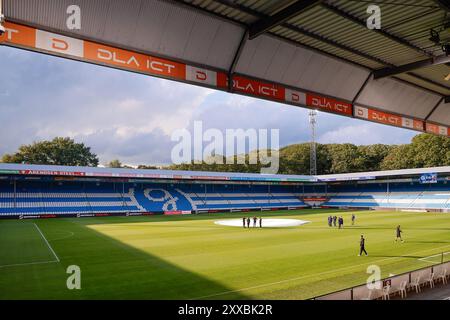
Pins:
x,y
434,109
235,61
387,72
263,25
382,32
330,42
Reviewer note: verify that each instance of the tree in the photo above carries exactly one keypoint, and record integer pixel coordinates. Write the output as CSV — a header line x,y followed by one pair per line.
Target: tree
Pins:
x,y
399,158
115,164
345,158
143,166
59,151
373,155
424,151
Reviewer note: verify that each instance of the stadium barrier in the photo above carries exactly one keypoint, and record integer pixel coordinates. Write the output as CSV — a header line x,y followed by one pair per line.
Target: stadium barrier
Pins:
x,y
394,285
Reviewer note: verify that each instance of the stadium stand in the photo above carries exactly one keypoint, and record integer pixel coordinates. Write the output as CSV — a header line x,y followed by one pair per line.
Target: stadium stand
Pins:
x,y
400,196
121,191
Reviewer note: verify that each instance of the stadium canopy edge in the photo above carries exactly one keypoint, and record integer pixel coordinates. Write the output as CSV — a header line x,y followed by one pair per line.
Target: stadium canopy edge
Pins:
x,y
266,67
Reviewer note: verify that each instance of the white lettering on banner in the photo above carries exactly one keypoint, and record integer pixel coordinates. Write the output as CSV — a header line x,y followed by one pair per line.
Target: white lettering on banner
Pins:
x,y
260,89
60,44
381,117
361,112
9,33
159,66
443,130
201,75
324,104
296,97
107,55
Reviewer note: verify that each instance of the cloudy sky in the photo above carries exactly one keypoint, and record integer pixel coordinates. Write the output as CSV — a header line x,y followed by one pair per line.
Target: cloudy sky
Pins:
x,y
131,117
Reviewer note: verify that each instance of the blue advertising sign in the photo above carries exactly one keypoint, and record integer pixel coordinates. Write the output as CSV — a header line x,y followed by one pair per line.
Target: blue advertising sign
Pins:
x,y
428,178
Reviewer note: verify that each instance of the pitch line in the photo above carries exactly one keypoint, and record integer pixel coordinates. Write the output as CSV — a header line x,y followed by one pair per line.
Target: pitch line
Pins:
x,y
306,276
426,259
27,264
48,244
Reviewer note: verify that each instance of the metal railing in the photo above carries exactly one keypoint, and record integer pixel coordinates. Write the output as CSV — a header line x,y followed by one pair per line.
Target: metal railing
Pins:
x,y
391,285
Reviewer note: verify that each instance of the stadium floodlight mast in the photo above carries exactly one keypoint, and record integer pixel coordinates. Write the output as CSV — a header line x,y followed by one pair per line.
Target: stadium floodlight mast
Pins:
x,y
313,154
2,19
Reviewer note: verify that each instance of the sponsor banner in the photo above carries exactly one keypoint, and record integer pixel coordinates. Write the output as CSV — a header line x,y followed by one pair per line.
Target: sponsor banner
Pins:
x,y
328,104
51,173
428,178
437,129
315,199
387,118
258,88
28,37
131,214
39,216
186,212
203,76
172,213
295,97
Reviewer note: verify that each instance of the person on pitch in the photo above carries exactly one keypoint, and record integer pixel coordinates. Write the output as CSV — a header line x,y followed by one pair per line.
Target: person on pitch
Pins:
x,y
353,219
398,231
260,222
248,222
255,219
334,220
243,222
362,246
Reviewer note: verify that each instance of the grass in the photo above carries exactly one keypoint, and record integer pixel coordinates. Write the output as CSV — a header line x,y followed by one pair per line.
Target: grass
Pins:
x,y
189,257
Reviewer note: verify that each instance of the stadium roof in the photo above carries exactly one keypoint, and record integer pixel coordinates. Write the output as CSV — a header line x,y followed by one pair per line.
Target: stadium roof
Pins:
x,y
315,54
93,172
25,169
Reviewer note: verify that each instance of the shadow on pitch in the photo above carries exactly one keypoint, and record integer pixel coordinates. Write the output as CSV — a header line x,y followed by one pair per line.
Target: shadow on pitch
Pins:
x,y
132,273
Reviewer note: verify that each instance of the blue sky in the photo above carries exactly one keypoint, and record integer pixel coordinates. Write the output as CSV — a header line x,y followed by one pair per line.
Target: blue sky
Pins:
x,y
131,117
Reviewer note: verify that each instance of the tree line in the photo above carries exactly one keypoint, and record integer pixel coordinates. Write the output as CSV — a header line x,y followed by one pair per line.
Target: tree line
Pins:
x,y
425,150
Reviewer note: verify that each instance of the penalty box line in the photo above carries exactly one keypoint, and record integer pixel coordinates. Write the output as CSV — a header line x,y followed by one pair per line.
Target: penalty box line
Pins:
x,y
308,275
36,262
48,244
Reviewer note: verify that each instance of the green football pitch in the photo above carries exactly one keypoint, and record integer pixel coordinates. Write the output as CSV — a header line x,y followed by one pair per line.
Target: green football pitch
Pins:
x,y
190,257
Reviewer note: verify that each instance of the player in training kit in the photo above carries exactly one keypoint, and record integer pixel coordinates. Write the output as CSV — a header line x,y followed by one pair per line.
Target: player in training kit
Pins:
x,y
260,222
362,246
399,234
353,219
248,222
243,222
255,219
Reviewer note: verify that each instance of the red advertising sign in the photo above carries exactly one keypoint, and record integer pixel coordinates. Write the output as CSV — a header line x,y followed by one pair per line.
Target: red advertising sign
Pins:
x,y
258,88
328,104
437,129
388,118
51,173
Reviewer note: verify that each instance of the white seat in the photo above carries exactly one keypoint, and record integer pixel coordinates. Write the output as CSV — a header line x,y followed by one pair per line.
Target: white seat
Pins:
x,y
443,276
430,280
416,284
386,292
402,289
